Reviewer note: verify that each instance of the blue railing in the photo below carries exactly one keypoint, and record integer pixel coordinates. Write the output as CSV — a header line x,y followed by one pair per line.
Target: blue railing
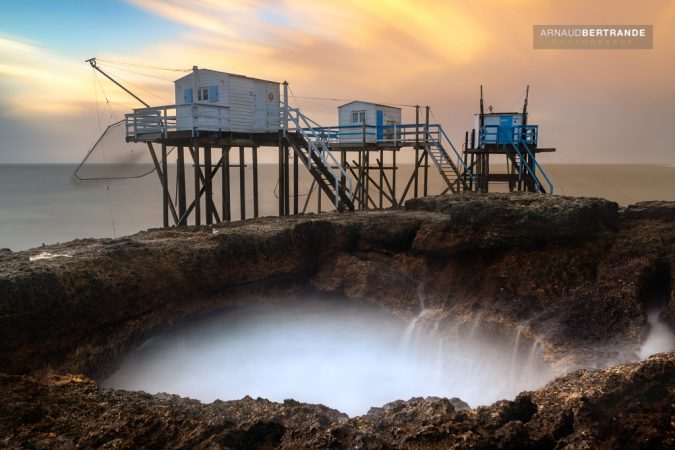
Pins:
x,y
346,134
517,136
536,164
496,134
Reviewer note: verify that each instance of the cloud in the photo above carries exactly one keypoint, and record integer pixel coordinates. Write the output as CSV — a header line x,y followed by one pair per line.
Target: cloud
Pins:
x,y
390,51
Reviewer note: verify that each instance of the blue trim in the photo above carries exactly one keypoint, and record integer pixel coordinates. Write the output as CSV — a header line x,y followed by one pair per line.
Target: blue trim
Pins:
x,y
504,132
213,94
379,123
187,96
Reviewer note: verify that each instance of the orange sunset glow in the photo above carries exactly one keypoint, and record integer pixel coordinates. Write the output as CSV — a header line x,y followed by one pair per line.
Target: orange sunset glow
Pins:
x,y
595,106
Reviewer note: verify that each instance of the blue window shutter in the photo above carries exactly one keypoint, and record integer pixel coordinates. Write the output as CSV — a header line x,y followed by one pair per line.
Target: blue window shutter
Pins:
x,y
187,95
213,93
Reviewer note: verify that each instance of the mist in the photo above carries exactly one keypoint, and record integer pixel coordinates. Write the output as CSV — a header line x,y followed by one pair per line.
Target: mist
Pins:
x,y
660,337
344,356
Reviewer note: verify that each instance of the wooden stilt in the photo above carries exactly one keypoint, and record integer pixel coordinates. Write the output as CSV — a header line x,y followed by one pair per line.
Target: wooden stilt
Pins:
x,y
359,179
295,184
160,175
180,167
195,160
425,181
381,178
366,180
242,184
417,149
411,180
343,178
165,188
281,183
318,199
287,193
208,204
393,177
254,151
227,211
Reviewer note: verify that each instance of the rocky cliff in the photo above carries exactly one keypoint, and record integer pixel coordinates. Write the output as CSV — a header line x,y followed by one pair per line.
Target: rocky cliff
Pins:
x,y
576,275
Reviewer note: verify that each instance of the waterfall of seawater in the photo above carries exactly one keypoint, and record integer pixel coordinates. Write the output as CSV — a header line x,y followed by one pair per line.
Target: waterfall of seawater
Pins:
x,y
346,356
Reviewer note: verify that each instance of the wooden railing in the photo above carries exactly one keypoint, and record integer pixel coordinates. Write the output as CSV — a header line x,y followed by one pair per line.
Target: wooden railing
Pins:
x,y
164,119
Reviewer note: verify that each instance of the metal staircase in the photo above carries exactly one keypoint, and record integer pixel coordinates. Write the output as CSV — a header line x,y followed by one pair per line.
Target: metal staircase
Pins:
x,y
526,166
310,145
455,174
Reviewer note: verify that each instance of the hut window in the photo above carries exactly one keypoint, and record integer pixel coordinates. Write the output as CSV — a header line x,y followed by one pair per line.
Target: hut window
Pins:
x,y
203,94
358,117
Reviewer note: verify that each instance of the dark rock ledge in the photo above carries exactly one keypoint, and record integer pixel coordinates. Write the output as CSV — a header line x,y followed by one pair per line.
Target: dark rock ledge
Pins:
x,y
578,275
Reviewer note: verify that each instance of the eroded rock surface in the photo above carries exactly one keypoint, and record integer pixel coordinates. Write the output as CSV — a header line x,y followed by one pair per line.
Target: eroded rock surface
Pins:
x,y
627,406
576,275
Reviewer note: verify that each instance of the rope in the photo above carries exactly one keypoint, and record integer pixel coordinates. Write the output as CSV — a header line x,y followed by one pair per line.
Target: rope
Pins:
x,y
142,66
136,72
112,217
595,176
107,186
331,99
137,87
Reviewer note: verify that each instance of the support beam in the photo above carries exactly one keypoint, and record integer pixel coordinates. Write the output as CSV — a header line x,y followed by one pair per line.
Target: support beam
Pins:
x,y
367,197
198,175
417,149
242,183
295,183
287,192
309,195
393,177
343,178
158,169
379,163
280,182
165,188
255,181
180,180
392,195
225,163
191,207
209,186
425,188
202,179
411,180
319,193
377,186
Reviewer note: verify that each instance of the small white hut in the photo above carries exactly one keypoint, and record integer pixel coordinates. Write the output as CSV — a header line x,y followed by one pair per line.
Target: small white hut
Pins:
x,y
209,100
379,121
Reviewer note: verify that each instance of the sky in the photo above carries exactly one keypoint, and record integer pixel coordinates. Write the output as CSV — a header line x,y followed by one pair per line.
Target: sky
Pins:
x,y
594,106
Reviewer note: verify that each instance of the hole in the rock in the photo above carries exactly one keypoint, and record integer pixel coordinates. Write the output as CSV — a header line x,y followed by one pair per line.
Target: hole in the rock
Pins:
x,y
346,356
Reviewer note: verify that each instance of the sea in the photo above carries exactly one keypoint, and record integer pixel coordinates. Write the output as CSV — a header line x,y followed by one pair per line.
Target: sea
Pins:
x,y
45,204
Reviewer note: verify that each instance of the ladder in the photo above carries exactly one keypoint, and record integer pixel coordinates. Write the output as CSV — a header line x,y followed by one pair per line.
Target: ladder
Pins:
x,y
310,145
454,174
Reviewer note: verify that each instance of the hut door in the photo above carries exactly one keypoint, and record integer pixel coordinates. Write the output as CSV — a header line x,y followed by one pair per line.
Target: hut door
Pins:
x,y
379,123
260,111
505,134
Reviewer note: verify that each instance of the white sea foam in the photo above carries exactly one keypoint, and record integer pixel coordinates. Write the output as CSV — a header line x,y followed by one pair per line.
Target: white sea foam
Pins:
x,y
47,255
